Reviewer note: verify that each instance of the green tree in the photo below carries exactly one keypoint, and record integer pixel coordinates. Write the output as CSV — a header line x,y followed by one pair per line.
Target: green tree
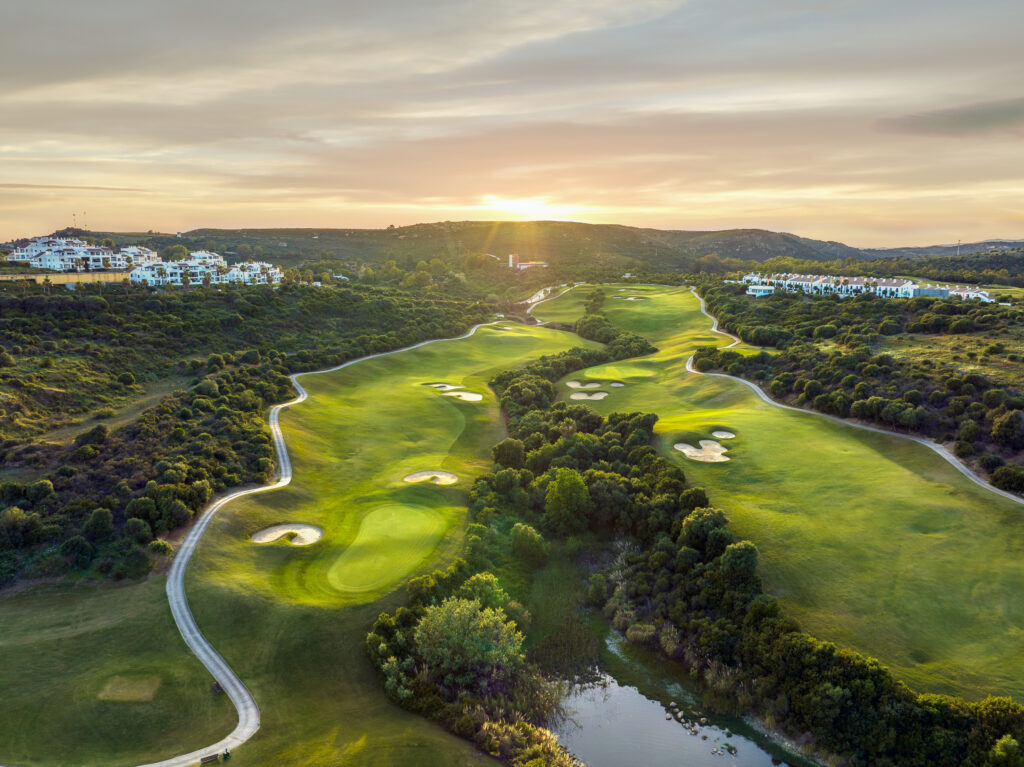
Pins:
x,y
1006,753
100,525
567,503
510,453
465,646
485,589
1008,429
528,544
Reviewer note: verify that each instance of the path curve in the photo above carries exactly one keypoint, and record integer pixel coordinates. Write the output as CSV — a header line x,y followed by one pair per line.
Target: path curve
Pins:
x,y
943,452
241,698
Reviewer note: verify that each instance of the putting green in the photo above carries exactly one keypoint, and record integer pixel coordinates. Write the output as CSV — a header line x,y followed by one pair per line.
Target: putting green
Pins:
x,y
291,620
869,540
391,541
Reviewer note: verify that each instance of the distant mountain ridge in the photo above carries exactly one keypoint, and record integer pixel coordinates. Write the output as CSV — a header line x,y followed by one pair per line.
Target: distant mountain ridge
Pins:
x,y
557,242
943,251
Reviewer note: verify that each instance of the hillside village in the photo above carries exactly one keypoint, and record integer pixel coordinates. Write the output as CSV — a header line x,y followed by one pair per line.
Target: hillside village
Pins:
x,y
68,254
823,284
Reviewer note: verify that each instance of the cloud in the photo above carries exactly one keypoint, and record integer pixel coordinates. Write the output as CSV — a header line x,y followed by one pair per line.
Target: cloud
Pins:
x,y
967,120
707,111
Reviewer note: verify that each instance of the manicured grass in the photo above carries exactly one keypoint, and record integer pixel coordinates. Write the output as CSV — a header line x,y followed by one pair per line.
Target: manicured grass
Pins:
x,y
292,620
869,540
391,541
79,661
98,675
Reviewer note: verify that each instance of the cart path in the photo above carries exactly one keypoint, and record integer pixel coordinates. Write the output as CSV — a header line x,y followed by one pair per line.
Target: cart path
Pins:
x,y
241,698
944,453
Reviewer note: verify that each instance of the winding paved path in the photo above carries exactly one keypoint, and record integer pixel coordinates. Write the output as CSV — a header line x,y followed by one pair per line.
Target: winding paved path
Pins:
x,y
241,698
945,454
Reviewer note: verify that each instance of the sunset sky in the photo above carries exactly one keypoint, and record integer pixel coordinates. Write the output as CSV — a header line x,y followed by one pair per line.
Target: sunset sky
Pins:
x,y
875,123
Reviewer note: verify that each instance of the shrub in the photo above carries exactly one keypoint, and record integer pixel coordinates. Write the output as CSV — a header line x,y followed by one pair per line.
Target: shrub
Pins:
x,y
529,544
641,633
160,547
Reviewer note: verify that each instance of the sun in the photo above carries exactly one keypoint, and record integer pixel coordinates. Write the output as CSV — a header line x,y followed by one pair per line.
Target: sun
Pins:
x,y
528,208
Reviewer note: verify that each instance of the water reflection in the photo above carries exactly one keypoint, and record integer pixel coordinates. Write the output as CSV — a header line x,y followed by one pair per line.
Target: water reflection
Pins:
x,y
610,725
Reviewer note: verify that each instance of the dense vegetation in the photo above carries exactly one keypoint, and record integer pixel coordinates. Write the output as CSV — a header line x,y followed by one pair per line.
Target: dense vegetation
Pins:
x,y
96,502
825,361
456,652
688,588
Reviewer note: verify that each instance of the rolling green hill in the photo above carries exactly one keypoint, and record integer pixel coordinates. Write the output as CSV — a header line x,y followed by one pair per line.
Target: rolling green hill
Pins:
x,y
557,242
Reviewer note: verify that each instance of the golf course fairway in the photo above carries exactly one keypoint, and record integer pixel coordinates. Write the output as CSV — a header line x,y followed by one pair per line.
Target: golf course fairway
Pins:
x,y
870,540
292,620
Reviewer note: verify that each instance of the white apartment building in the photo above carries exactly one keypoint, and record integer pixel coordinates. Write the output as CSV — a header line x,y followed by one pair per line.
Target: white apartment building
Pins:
x,y
820,284
203,267
62,254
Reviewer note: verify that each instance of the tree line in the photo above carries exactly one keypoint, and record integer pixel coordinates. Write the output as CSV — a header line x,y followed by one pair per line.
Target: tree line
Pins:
x,y
981,417
98,504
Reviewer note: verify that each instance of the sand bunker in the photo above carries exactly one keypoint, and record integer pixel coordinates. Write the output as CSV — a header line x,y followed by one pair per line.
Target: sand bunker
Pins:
x,y
584,395
444,386
298,534
631,298
723,435
465,396
708,452
437,477
578,385
617,384
130,689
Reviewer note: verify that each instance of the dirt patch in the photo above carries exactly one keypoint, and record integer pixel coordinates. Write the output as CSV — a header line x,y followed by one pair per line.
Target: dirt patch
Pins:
x,y
130,689
709,451
585,395
296,534
436,477
723,435
578,385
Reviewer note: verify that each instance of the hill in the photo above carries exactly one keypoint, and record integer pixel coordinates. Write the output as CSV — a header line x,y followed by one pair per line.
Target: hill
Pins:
x,y
557,242
945,251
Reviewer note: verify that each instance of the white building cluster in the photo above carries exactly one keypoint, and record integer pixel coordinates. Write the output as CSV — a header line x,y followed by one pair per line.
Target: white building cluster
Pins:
x,y
67,254
821,284
203,267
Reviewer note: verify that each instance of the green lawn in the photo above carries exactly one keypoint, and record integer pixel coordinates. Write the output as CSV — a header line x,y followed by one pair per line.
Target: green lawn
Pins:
x,y
869,540
99,676
292,620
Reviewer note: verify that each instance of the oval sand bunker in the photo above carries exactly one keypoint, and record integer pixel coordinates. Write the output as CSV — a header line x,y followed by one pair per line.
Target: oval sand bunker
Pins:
x,y
708,452
444,386
723,435
301,534
465,396
437,477
578,385
584,395
617,384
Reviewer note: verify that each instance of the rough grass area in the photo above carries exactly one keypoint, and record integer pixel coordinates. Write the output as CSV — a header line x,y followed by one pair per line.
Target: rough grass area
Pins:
x,y
292,621
970,352
131,689
98,676
870,541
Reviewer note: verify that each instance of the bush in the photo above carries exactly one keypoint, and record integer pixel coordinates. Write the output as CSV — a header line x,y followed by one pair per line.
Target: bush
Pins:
x,y
1009,477
529,544
641,634
126,379
160,547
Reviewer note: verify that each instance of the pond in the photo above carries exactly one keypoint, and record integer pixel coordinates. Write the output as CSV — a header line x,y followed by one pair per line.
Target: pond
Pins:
x,y
622,720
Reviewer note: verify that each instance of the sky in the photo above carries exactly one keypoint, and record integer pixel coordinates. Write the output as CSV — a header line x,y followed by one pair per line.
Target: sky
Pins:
x,y
874,123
